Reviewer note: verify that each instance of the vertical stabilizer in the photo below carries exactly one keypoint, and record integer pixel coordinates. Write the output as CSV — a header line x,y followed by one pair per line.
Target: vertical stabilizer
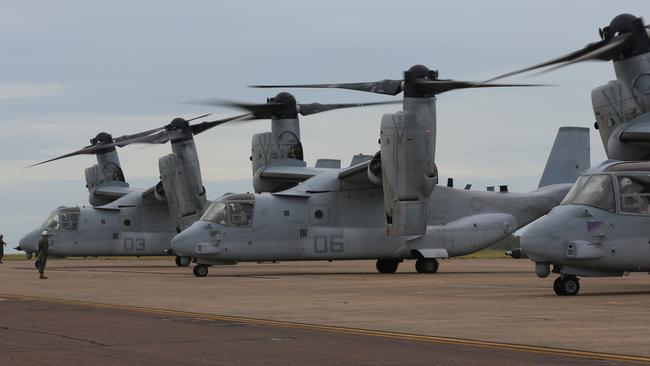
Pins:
x,y
569,156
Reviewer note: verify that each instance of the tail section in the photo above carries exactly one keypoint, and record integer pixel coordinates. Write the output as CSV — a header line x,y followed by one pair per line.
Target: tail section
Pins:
x,y
569,156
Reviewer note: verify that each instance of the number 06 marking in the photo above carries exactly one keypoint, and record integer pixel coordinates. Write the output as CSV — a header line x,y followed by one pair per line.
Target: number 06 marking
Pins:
x,y
323,244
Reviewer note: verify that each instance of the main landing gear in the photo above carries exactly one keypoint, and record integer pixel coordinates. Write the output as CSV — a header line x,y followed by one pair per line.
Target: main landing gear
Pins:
x,y
426,265
183,261
387,265
422,265
200,270
568,285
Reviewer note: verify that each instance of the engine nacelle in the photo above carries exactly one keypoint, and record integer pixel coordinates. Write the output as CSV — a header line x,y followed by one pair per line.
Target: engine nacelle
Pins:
x,y
281,146
614,104
408,170
621,101
107,171
185,199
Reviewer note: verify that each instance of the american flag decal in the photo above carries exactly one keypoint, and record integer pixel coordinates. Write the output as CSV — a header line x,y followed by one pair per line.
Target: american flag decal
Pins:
x,y
594,225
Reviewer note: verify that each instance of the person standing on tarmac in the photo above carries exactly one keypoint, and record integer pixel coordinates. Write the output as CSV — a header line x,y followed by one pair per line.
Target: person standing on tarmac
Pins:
x,y
43,251
2,248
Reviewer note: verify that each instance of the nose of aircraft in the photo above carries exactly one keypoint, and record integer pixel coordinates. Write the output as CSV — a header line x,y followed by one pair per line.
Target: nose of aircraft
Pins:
x,y
532,239
185,242
543,239
29,242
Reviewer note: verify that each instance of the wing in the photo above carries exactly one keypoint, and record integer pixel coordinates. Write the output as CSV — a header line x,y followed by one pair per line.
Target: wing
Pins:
x,y
357,174
290,174
112,192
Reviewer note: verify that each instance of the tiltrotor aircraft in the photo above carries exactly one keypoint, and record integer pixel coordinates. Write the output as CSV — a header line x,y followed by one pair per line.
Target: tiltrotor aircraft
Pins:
x,y
602,226
125,221
387,208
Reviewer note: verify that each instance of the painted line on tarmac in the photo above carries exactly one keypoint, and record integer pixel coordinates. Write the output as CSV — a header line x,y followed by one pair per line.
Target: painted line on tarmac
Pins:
x,y
354,331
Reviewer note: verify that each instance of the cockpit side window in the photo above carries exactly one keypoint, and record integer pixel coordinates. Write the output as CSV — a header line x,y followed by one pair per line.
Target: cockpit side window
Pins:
x,y
595,190
68,221
634,193
241,213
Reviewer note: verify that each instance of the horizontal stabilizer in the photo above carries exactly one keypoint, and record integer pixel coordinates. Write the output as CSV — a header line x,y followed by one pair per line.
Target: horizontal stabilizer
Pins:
x,y
569,157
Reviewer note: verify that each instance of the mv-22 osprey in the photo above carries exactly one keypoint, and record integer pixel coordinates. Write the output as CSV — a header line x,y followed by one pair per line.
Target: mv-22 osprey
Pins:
x,y
602,227
126,221
388,208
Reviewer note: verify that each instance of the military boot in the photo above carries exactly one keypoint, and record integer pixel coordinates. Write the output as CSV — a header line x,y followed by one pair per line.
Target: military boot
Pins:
x,y
43,277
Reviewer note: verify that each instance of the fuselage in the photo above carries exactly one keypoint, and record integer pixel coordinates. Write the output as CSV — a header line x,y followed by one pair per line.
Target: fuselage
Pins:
x,y
126,227
351,224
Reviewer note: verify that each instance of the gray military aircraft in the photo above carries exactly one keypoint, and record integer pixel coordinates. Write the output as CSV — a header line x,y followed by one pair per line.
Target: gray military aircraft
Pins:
x,y
125,221
403,173
601,227
340,215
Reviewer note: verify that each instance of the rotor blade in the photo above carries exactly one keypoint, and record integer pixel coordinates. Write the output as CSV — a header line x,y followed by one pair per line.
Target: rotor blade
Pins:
x,y
259,111
312,108
204,126
605,53
88,150
118,140
198,117
156,138
568,57
441,86
387,87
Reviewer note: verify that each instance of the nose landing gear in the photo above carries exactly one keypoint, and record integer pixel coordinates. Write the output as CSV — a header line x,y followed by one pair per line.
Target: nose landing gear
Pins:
x,y
200,270
568,285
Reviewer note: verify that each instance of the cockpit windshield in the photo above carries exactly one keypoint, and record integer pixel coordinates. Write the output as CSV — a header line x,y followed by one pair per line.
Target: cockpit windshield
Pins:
x,y
233,210
592,190
634,193
52,221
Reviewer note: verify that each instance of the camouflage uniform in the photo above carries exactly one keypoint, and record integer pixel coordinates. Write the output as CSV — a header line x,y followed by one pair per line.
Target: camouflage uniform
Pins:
x,y
43,250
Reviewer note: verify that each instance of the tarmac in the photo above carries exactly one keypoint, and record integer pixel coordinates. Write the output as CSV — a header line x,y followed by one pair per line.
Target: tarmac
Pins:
x,y
473,311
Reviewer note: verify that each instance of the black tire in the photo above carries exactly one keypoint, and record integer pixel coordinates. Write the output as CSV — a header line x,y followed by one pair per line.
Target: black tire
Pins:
x,y
36,263
184,261
177,260
557,286
426,265
200,270
567,286
387,265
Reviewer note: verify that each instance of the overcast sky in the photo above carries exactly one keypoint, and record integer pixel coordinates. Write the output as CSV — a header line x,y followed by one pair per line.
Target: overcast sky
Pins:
x,y
71,69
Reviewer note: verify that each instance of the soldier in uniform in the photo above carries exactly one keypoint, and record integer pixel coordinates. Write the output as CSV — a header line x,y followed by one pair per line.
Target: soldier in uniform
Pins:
x,y
43,251
2,248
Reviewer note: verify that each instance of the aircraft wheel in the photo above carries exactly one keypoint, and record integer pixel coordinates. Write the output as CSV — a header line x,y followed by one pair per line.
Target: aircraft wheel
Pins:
x,y
177,260
567,286
200,270
426,265
36,263
556,286
387,265
184,261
